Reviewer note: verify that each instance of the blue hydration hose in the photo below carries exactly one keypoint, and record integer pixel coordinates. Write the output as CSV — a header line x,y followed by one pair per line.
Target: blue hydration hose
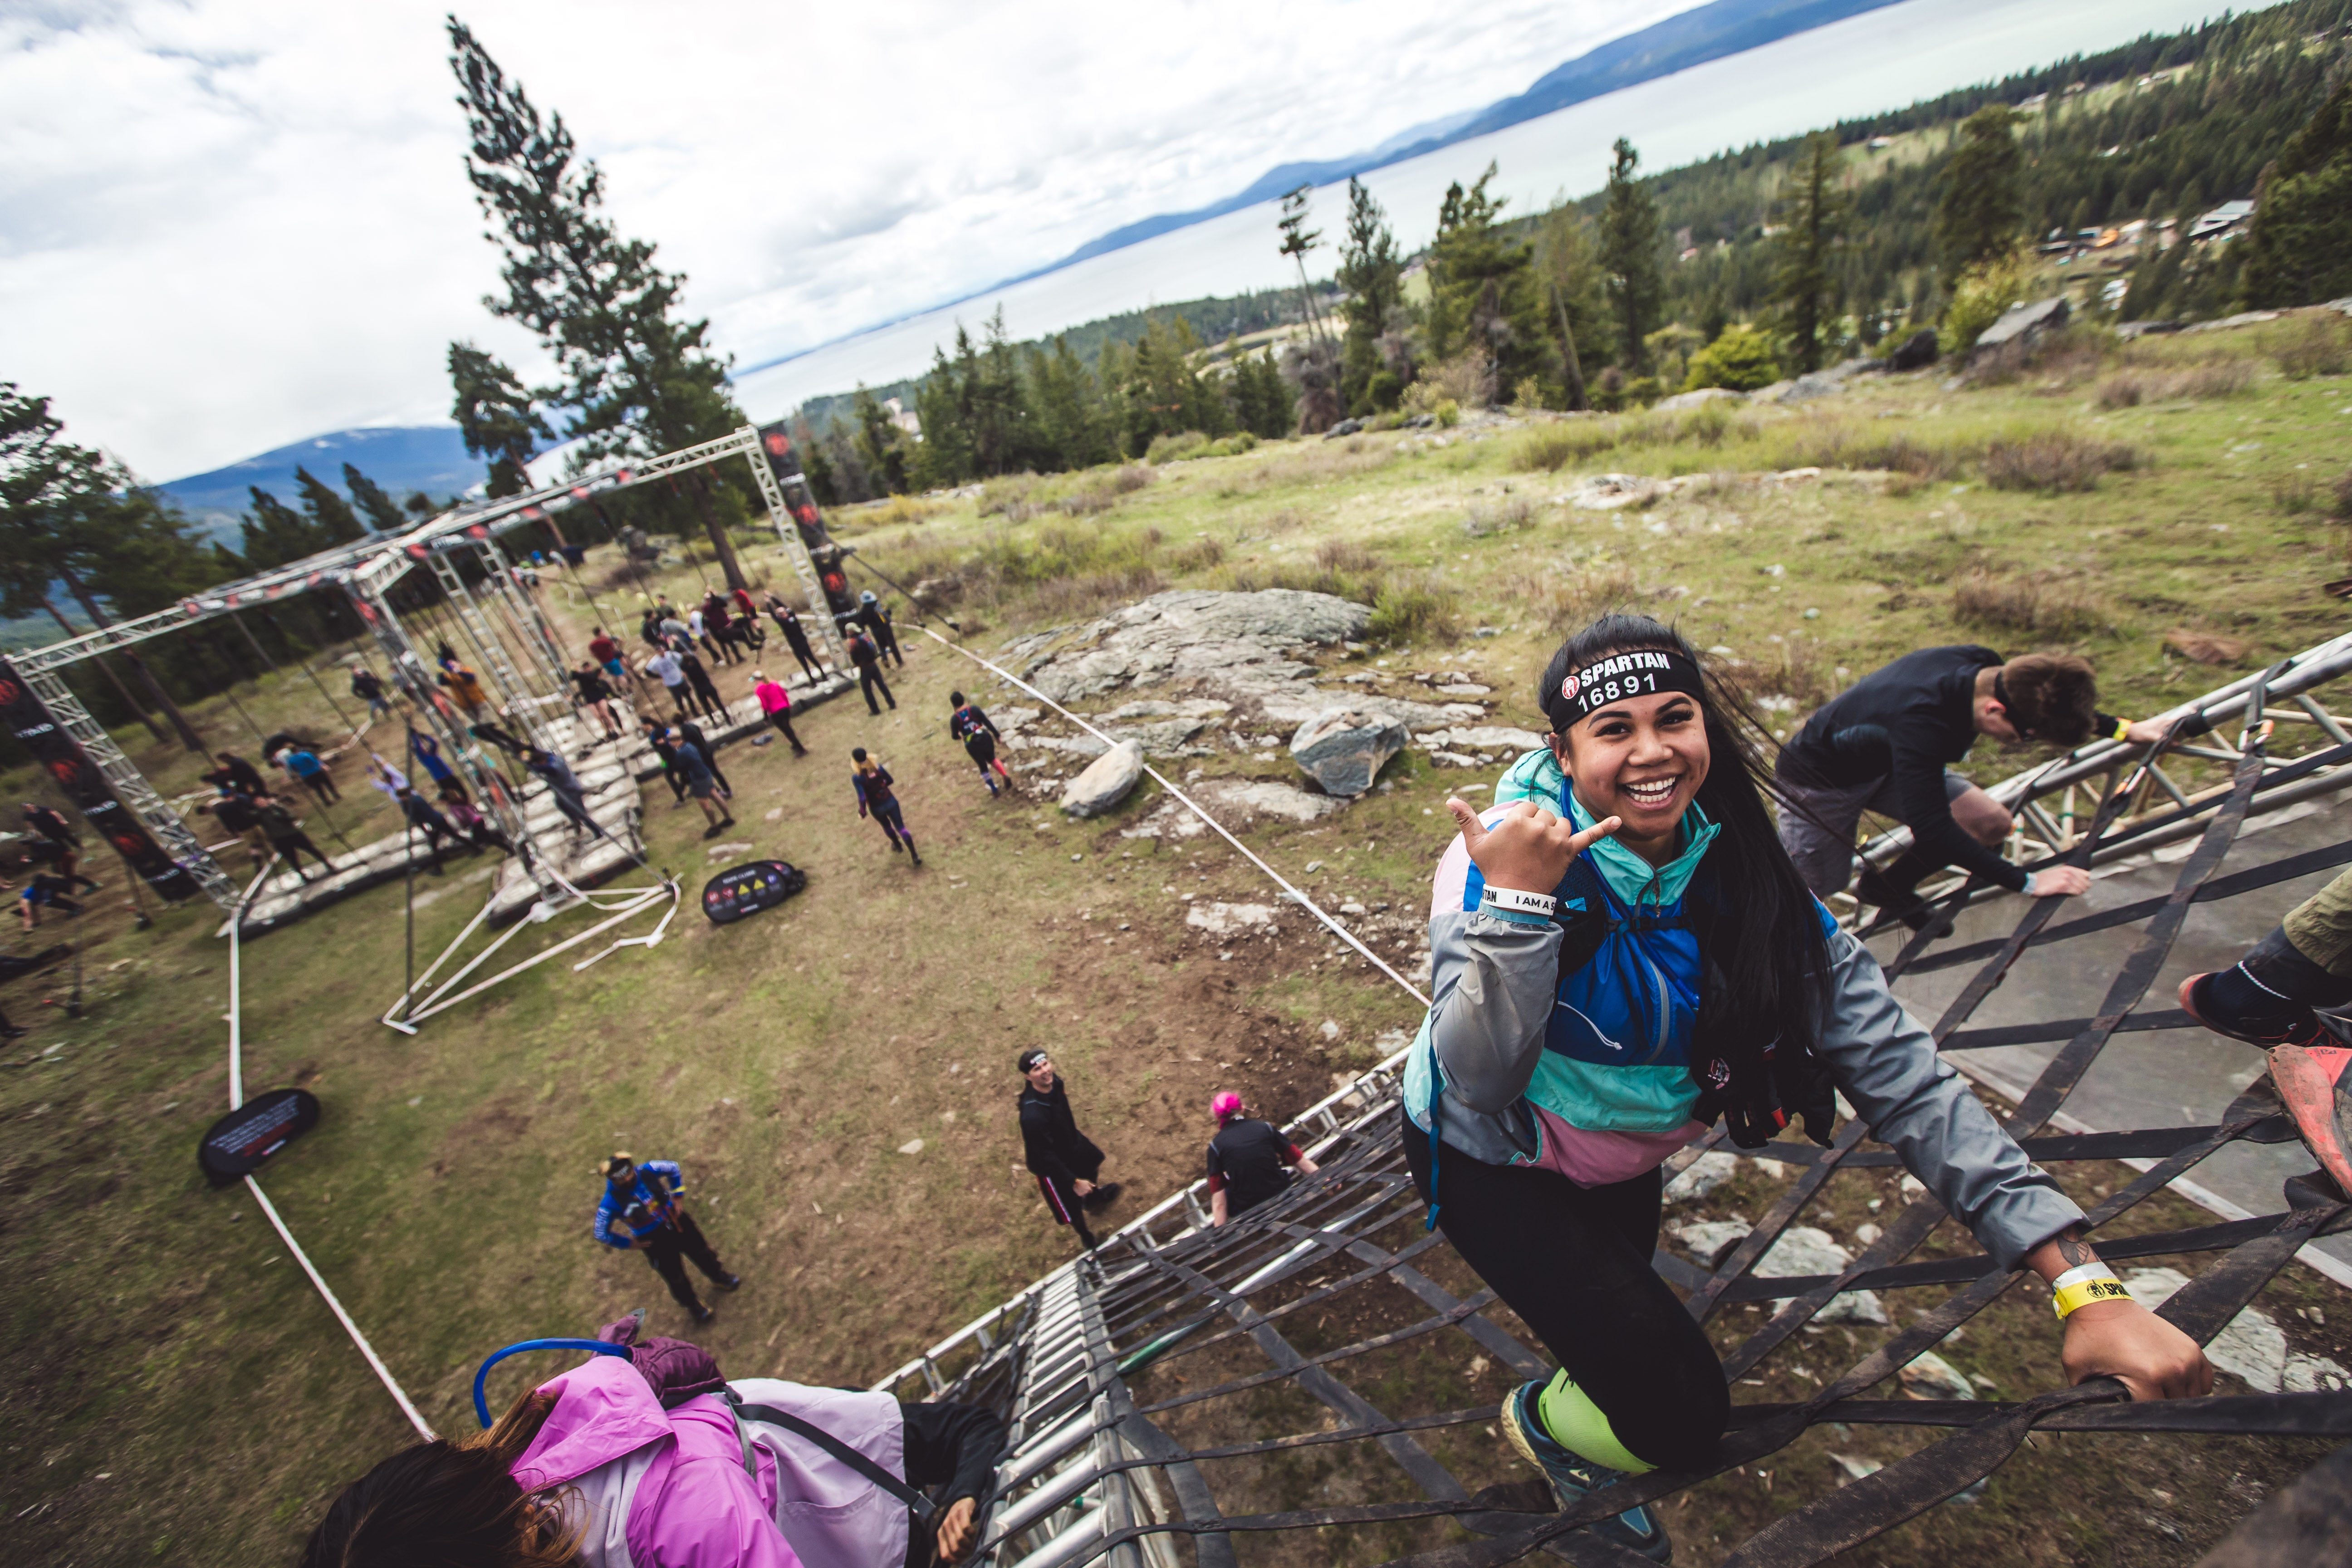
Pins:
x,y
482,1405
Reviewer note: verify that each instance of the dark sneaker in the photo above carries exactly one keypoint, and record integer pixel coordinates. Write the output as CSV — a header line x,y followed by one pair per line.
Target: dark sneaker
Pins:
x,y
2302,1029
732,1282
1573,1479
1102,1197
703,1315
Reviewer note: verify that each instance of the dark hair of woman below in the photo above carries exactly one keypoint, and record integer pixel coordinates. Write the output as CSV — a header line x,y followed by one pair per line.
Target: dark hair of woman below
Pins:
x,y
1760,927
441,1504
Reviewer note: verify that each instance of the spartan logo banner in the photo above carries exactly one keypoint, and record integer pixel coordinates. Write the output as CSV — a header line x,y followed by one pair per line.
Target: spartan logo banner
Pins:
x,y
73,771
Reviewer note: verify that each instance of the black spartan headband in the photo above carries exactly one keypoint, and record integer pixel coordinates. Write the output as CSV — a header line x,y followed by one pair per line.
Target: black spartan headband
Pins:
x,y
1637,672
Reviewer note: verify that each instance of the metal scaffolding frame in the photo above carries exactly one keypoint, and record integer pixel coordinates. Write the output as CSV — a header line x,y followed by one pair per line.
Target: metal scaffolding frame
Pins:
x,y
367,570
1094,1474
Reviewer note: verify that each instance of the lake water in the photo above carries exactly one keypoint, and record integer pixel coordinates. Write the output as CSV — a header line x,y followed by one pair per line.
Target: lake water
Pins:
x,y
1881,60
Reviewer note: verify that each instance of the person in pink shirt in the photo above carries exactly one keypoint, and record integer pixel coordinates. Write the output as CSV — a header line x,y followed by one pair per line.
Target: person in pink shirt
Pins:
x,y
590,1470
777,704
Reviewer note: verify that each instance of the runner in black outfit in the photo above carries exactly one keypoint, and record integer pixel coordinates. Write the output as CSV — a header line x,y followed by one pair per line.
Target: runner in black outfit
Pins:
x,y
869,671
1064,1158
701,743
658,737
1249,1161
978,734
875,617
878,799
795,637
65,843
1884,746
697,678
596,696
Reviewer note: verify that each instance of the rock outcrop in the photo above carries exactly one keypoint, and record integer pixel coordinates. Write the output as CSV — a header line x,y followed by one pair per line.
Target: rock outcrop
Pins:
x,y
1190,635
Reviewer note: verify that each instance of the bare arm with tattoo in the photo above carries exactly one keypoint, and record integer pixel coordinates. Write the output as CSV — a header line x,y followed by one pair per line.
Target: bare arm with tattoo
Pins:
x,y
2121,1339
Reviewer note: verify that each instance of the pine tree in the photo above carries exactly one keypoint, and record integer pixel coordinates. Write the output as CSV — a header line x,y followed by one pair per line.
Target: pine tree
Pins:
x,y
1373,275
496,416
71,515
1297,240
879,442
383,513
1980,213
635,378
332,521
1630,242
1805,284
274,534
1576,293
2299,248
1484,294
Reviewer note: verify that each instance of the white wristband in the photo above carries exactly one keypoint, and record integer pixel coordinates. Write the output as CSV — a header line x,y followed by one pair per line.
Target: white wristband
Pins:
x,y
1521,903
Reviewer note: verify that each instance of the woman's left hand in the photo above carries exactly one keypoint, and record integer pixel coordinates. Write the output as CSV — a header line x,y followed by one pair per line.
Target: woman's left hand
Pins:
x,y
2122,1339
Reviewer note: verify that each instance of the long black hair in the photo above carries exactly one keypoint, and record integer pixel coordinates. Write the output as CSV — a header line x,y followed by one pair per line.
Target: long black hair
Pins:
x,y
1758,924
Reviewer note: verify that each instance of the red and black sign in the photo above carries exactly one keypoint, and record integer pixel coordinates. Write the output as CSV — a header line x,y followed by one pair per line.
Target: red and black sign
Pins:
x,y
242,1140
62,758
746,890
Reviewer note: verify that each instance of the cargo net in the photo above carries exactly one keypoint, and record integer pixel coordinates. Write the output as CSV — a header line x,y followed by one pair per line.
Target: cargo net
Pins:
x,y
1303,1368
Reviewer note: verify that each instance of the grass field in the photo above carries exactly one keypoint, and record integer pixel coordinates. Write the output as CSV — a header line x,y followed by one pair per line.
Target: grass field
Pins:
x,y
175,1392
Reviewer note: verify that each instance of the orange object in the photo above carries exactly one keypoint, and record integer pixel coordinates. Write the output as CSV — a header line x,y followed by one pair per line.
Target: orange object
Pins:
x,y
2307,1080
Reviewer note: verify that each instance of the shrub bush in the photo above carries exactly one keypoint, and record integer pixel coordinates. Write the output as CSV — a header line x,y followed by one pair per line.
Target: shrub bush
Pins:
x,y
2316,344
1569,600
2054,460
1740,358
1550,447
1195,556
1170,449
2045,604
1414,609
2130,388
1978,299
1345,555
1132,477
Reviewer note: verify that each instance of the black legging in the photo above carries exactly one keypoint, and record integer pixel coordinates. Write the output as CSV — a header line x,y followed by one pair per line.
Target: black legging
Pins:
x,y
670,1246
783,719
869,675
1574,1264
713,706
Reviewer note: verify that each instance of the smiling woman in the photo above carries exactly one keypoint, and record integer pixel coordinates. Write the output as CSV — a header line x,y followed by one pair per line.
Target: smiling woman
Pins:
x,y
1622,953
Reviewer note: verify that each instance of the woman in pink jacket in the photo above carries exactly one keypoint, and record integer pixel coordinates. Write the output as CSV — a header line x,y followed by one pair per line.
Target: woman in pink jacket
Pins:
x,y
777,704
589,1471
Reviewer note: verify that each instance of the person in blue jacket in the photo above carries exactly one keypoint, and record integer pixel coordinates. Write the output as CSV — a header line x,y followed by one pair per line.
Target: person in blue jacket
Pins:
x,y
640,1212
1622,953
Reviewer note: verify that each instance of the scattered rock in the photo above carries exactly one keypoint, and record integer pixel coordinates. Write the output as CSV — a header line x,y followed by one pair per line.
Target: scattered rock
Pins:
x,y
912,1146
1265,798
1698,399
2252,1348
1804,1251
1484,738
1466,689
1344,749
1609,492
1330,1028
1105,782
1933,1377
716,850
1154,709
1917,352
1706,1173
1223,920
1710,1240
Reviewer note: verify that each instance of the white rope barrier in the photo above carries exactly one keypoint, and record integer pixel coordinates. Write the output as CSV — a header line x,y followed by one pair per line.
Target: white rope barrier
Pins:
x,y
268,1209
1342,932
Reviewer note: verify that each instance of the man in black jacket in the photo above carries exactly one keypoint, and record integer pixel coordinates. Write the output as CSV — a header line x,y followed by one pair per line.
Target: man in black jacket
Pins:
x,y
1064,1158
1883,745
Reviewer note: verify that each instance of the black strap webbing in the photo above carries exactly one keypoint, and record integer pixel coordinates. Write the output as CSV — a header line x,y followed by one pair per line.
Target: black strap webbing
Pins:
x,y
917,1503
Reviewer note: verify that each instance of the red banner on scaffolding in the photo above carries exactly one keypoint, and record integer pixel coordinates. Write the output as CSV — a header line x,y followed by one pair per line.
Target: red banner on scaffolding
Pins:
x,y
75,772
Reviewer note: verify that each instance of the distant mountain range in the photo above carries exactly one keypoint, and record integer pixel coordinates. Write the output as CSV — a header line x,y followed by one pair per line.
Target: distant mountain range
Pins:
x,y
1678,43
428,457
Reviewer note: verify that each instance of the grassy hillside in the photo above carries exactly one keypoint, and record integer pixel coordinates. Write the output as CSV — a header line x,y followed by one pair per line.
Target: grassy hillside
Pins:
x,y
174,1393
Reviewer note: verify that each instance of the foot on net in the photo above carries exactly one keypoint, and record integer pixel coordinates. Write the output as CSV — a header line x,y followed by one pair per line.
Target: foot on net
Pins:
x,y
2286,1024
1902,903
1573,1479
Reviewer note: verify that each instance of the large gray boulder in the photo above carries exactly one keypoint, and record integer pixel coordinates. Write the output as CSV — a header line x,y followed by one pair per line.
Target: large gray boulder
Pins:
x,y
1917,352
1105,782
1344,749
2023,323
1682,401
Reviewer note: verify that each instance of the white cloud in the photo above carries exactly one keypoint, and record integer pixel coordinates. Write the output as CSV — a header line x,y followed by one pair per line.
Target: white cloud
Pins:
x,y
226,224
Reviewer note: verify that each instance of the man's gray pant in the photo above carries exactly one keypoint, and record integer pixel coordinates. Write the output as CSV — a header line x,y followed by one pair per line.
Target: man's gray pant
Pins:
x,y
1817,825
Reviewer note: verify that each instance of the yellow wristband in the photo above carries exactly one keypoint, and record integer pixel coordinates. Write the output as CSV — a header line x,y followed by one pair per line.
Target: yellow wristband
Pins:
x,y
2072,1292
2123,730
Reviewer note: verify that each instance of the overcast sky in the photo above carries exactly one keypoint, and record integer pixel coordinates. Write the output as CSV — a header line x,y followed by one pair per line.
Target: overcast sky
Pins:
x,y
226,224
